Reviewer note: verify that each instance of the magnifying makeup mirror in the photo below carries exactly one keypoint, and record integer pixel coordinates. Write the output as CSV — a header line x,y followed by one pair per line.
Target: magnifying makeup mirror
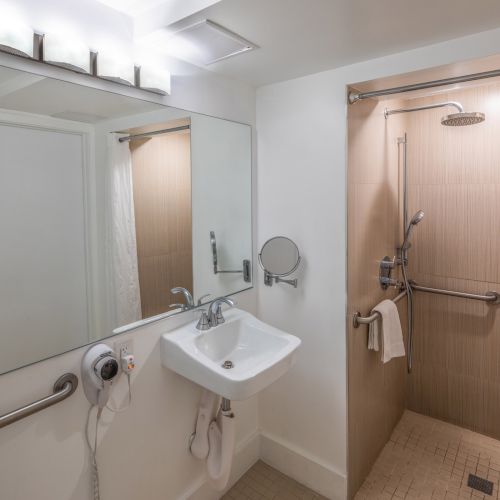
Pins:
x,y
279,257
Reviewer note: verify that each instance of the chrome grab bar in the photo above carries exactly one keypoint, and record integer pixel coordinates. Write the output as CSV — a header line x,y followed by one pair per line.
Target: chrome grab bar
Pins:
x,y
63,388
357,319
489,297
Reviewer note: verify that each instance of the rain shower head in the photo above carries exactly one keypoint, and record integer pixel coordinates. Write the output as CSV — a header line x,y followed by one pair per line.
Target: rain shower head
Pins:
x,y
455,119
413,222
462,119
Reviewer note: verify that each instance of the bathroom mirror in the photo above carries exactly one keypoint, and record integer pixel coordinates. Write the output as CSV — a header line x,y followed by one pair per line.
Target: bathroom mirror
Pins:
x,y
279,257
107,203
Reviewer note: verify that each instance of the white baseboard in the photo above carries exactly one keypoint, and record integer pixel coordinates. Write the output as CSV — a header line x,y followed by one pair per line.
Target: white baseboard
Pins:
x,y
283,456
301,466
246,454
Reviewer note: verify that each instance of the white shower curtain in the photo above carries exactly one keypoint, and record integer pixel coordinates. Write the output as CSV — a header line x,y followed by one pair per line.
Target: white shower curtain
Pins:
x,y
122,250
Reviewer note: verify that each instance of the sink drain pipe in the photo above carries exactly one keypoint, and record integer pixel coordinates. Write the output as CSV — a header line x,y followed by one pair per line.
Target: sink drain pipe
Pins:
x,y
214,438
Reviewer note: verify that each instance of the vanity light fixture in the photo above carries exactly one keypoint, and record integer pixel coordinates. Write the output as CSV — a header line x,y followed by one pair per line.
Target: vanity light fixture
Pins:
x,y
16,37
115,66
60,49
68,53
154,79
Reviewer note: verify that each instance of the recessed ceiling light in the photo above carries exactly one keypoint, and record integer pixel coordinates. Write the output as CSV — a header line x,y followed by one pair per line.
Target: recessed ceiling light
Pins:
x,y
206,42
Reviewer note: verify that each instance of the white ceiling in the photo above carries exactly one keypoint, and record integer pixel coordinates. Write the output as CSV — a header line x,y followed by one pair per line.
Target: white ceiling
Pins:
x,y
132,7
299,37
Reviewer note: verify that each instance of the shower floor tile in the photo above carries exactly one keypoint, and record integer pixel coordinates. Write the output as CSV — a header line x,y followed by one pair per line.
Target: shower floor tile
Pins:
x,y
262,482
429,459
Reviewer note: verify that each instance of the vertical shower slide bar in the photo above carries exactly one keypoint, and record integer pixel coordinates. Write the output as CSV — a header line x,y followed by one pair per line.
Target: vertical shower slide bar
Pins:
x,y
403,142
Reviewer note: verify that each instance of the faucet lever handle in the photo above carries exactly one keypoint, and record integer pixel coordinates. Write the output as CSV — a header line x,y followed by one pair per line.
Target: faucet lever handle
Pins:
x,y
203,323
218,315
200,300
178,306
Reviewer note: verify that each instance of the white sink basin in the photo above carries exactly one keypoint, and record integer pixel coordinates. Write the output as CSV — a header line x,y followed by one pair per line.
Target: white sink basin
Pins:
x,y
259,353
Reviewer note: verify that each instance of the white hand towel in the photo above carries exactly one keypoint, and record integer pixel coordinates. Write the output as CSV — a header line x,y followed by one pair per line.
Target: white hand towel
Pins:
x,y
389,327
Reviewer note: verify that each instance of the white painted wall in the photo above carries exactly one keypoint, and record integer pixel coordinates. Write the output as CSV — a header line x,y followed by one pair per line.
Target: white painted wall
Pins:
x,y
302,135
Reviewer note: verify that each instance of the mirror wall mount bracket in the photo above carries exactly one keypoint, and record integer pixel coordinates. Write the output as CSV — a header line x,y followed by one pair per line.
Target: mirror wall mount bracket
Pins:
x,y
247,268
270,278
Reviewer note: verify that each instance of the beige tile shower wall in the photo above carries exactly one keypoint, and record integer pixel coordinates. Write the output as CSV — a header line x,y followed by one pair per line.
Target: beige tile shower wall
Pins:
x,y
455,179
377,392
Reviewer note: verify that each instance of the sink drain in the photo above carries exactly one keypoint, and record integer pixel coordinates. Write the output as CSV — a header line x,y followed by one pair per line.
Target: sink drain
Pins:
x,y
227,365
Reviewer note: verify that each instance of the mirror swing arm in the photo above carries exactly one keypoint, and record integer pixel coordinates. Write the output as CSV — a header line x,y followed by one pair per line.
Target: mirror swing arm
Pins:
x,y
269,278
246,271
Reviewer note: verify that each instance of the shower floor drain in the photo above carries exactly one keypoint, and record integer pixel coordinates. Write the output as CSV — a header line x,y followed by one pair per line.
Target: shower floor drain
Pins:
x,y
480,484
227,365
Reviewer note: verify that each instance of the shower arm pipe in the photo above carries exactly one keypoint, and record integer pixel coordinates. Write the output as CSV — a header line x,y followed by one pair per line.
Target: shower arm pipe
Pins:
x,y
455,104
491,297
358,96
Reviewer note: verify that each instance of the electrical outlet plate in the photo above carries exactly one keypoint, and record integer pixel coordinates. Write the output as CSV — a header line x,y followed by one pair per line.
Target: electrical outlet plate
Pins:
x,y
124,347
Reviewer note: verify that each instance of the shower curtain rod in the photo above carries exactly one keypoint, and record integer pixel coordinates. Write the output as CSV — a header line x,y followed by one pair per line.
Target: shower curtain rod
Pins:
x,y
357,96
156,132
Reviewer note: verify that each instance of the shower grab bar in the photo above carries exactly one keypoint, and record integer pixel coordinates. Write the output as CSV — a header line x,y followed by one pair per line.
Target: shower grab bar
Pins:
x,y
63,388
358,320
490,297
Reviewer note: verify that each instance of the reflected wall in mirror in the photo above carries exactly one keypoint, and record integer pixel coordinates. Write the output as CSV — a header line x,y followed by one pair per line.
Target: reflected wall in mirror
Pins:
x,y
98,230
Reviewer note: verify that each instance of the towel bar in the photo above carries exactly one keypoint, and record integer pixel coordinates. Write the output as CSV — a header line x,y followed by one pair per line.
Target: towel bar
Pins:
x,y
489,297
63,388
357,319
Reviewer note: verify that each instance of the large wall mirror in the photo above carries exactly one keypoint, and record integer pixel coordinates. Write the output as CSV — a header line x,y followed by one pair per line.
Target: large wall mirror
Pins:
x,y
106,204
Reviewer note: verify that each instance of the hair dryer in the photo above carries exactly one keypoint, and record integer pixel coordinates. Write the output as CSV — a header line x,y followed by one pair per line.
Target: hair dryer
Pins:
x,y
99,369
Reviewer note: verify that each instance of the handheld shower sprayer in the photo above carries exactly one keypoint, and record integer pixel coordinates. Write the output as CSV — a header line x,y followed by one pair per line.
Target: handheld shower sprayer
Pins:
x,y
413,222
407,285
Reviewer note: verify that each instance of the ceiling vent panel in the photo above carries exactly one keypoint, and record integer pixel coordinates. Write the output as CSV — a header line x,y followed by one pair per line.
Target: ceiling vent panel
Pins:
x,y
206,43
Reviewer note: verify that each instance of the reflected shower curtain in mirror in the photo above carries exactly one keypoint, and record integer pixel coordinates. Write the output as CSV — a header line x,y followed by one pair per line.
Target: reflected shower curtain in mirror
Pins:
x,y
124,280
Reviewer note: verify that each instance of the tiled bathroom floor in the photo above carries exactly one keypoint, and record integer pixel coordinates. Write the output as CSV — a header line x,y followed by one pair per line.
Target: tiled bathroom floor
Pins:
x,y
428,459
262,482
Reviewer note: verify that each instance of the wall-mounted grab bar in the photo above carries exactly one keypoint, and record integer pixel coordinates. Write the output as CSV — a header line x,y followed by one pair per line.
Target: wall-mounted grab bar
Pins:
x,y
63,388
491,297
357,319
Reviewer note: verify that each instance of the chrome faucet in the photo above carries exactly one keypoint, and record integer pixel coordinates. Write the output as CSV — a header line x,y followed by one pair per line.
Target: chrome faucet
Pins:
x,y
214,316
189,301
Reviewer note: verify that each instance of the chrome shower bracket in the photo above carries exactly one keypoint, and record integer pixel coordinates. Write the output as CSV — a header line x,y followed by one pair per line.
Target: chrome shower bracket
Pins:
x,y
385,271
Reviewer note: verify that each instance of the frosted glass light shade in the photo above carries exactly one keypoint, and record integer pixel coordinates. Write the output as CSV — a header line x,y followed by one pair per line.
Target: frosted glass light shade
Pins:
x,y
114,66
16,38
61,51
155,79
